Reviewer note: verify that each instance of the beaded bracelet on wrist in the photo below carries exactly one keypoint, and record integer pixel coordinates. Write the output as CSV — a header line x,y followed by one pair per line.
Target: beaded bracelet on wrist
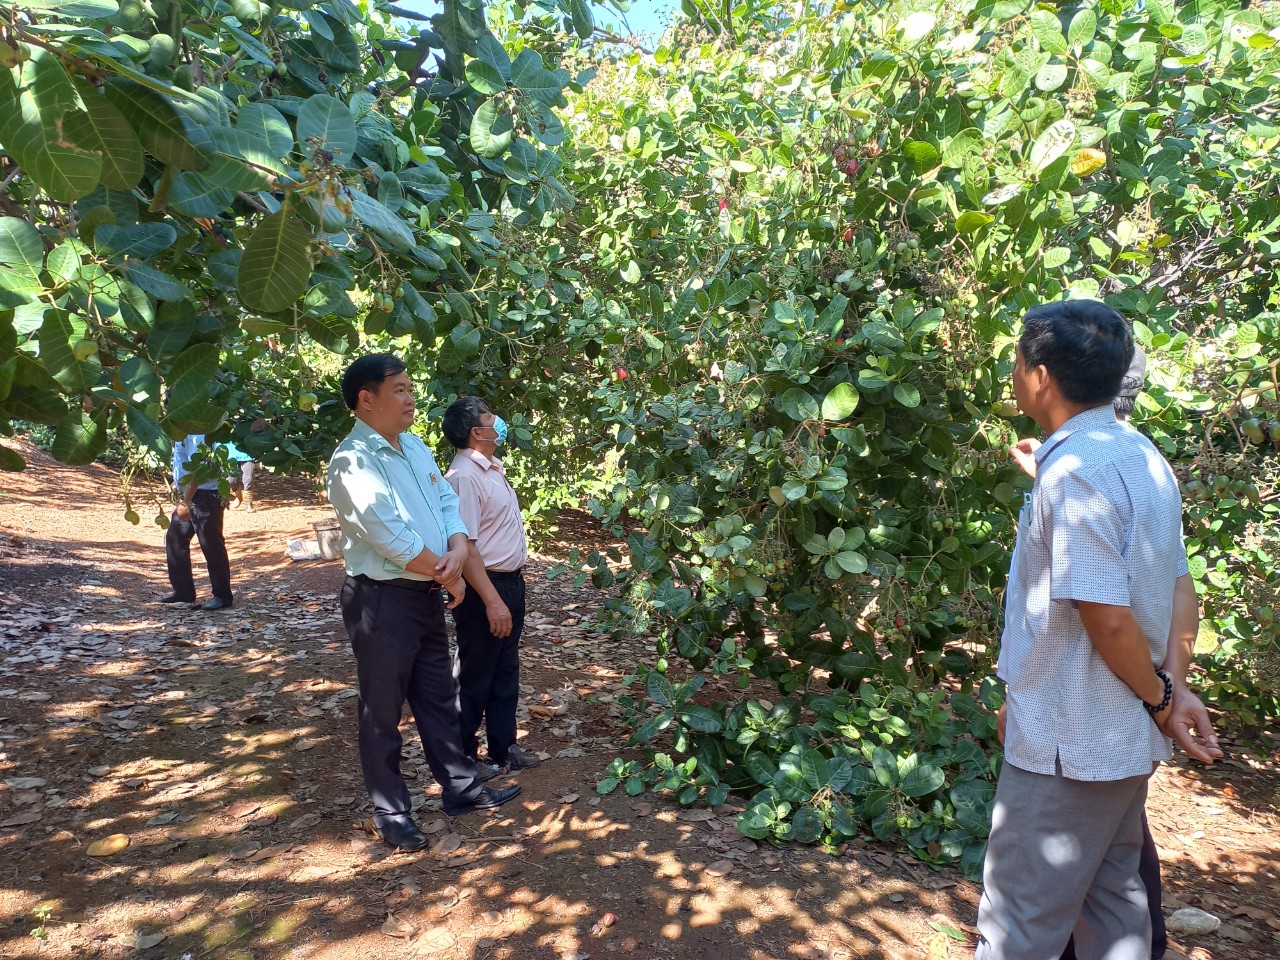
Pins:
x,y
1168,694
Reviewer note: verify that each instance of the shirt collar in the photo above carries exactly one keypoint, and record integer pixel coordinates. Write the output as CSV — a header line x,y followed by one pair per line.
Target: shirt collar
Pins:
x,y
488,463
371,437
1093,419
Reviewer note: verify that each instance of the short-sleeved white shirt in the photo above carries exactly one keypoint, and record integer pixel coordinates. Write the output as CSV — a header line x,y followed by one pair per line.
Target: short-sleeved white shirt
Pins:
x,y
1103,524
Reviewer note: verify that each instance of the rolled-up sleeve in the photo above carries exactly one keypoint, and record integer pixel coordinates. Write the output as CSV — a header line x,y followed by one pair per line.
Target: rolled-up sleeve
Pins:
x,y
359,493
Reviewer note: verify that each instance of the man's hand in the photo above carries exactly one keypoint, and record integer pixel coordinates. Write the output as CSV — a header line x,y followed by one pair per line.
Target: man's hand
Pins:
x,y
457,589
449,566
1000,721
182,511
499,618
1024,455
1187,713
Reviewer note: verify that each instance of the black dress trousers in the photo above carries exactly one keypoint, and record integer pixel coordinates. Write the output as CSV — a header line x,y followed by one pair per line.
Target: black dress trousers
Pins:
x,y
402,653
489,668
205,524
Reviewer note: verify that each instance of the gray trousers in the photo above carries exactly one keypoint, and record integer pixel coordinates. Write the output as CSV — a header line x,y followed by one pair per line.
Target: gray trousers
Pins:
x,y
1063,861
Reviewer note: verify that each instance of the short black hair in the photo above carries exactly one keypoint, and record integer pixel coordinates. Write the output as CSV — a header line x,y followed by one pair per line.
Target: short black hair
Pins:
x,y
459,418
1085,345
368,373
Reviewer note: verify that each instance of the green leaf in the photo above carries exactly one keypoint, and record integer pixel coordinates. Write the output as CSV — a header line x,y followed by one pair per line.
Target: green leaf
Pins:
x,y
652,727
32,116
851,561
80,439
1052,144
149,433
546,126
75,9
1084,27
166,133
583,23
155,282
276,264
326,123
485,78
960,147
190,377
1048,31
341,52
240,144
972,220
806,825
923,156
490,50
197,196
11,460
175,324
533,79
36,404
381,221
1051,76
268,126
701,719
660,690
761,767
884,766
921,779
840,402
332,333
813,766
799,405
907,395
492,129
104,130
21,248
56,353
141,240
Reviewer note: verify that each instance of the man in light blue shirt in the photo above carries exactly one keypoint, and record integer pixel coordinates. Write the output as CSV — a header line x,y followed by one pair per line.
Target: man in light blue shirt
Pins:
x,y
402,541
199,514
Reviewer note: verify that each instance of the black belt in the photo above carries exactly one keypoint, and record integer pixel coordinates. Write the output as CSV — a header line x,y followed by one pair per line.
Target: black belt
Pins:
x,y
422,586
506,574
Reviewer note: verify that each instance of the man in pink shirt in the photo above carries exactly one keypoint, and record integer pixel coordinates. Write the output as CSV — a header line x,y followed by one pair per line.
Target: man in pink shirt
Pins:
x,y
491,615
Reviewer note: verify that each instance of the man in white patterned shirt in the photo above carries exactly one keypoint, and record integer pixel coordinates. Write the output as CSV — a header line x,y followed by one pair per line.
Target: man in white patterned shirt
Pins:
x,y
1098,570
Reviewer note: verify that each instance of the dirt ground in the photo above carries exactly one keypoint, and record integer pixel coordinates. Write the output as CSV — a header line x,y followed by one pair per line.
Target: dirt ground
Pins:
x,y
185,785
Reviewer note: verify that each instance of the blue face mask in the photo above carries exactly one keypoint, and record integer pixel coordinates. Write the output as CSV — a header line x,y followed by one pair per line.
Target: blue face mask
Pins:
x,y
500,428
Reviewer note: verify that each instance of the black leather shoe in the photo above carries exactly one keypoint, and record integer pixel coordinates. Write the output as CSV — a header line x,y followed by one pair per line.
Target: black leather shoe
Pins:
x,y
487,800
174,598
217,603
402,833
518,760
485,771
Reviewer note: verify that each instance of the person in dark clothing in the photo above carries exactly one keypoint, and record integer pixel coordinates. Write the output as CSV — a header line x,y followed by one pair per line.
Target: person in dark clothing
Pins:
x,y
198,514
491,616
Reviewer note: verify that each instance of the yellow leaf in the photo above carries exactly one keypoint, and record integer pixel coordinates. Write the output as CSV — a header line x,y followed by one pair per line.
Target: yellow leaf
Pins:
x,y
1087,161
108,846
938,947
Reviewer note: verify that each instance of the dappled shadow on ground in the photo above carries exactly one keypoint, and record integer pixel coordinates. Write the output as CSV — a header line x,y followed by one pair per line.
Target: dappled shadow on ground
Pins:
x,y
220,749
